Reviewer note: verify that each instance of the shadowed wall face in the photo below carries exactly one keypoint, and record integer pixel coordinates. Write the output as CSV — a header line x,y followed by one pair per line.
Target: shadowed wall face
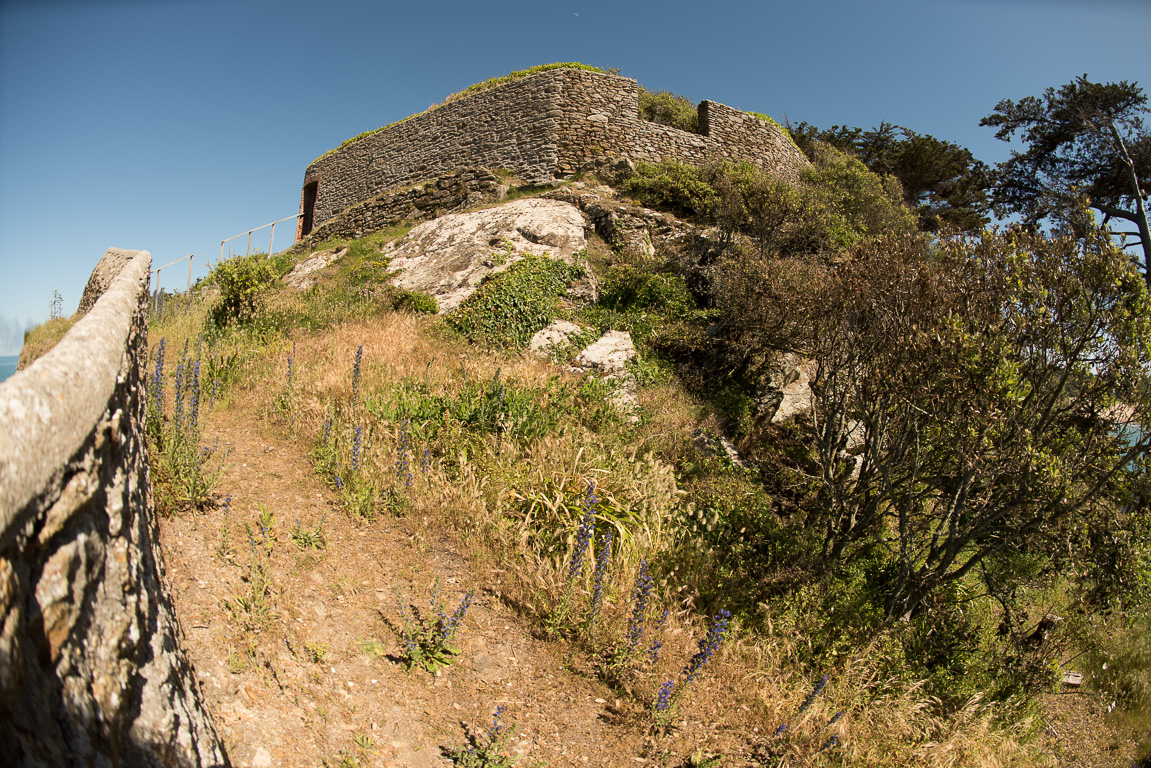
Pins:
x,y
540,127
92,671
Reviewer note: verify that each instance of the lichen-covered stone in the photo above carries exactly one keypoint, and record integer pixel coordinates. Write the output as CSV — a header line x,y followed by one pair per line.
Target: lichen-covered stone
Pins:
x,y
556,334
304,275
448,257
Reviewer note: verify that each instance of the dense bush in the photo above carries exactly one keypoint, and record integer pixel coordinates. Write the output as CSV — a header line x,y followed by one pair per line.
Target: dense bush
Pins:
x,y
837,204
242,281
674,186
670,109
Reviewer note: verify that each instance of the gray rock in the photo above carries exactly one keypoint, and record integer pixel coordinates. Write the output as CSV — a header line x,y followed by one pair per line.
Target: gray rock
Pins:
x,y
609,354
449,256
795,386
304,276
554,335
608,357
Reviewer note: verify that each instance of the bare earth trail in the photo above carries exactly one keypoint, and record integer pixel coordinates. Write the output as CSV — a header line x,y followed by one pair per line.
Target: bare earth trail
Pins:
x,y
278,703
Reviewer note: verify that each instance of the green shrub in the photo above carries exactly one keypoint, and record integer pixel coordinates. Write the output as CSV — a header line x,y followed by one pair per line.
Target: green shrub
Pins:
x,y
854,203
242,281
674,186
838,203
413,302
510,306
670,109
631,286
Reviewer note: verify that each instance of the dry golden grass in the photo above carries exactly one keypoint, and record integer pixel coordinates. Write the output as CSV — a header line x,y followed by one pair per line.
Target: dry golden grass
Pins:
x,y
512,509
40,340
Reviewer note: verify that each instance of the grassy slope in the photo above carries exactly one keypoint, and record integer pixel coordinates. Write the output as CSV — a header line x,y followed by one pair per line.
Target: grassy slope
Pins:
x,y
507,491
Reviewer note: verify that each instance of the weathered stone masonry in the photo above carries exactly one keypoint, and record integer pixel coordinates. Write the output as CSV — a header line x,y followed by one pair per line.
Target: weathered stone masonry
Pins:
x,y
91,668
545,126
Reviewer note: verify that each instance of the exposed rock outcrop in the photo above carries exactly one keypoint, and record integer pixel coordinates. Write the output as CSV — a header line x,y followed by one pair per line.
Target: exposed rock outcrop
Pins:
x,y
555,335
449,256
305,274
608,357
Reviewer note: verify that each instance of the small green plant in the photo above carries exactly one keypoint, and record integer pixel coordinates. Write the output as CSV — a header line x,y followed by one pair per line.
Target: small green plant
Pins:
x,y
364,741
254,605
227,550
413,302
699,760
486,749
309,538
428,639
373,647
316,652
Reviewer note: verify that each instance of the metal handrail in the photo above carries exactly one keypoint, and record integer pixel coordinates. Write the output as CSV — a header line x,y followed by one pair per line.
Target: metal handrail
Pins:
x,y
250,231
189,257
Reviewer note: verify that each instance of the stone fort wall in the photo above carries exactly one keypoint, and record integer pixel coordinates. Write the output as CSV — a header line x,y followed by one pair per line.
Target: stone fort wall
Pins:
x,y
541,127
92,671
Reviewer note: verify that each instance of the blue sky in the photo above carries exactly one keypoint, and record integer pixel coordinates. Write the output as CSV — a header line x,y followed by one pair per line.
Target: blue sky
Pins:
x,y
169,125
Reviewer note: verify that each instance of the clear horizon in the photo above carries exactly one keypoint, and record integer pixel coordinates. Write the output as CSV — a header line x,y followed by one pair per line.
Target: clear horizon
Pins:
x,y
169,126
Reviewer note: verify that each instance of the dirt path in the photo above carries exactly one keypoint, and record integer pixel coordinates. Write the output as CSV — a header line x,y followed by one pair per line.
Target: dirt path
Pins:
x,y
319,681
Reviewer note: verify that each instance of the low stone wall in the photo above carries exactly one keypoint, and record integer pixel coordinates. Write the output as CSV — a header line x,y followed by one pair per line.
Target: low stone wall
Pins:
x,y
464,188
541,127
92,672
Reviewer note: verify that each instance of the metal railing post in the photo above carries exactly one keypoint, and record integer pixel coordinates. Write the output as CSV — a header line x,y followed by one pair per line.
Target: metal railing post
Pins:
x,y
271,242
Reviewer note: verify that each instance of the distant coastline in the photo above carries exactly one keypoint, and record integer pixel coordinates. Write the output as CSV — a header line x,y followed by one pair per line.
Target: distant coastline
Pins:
x,y
8,365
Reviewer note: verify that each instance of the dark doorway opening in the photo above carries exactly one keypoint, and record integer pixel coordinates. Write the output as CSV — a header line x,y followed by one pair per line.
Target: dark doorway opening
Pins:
x,y
308,208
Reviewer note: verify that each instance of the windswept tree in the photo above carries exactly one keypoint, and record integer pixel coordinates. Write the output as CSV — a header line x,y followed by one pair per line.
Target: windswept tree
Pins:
x,y
970,405
1084,138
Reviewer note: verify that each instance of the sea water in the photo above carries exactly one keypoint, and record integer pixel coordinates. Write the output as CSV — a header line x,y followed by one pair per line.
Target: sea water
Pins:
x,y
8,365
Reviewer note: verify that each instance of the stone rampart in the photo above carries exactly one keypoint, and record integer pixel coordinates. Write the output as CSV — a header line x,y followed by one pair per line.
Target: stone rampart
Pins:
x,y
92,672
541,127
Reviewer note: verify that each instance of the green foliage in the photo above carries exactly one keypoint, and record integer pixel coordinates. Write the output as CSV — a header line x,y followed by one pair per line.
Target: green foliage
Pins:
x,y
413,302
838,204
942,181
1083,140
428,638
309,538
968,381
673,186
510,306
668,108
185,473
633,286
1121,667
496,407
851,203
486,749
242,281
